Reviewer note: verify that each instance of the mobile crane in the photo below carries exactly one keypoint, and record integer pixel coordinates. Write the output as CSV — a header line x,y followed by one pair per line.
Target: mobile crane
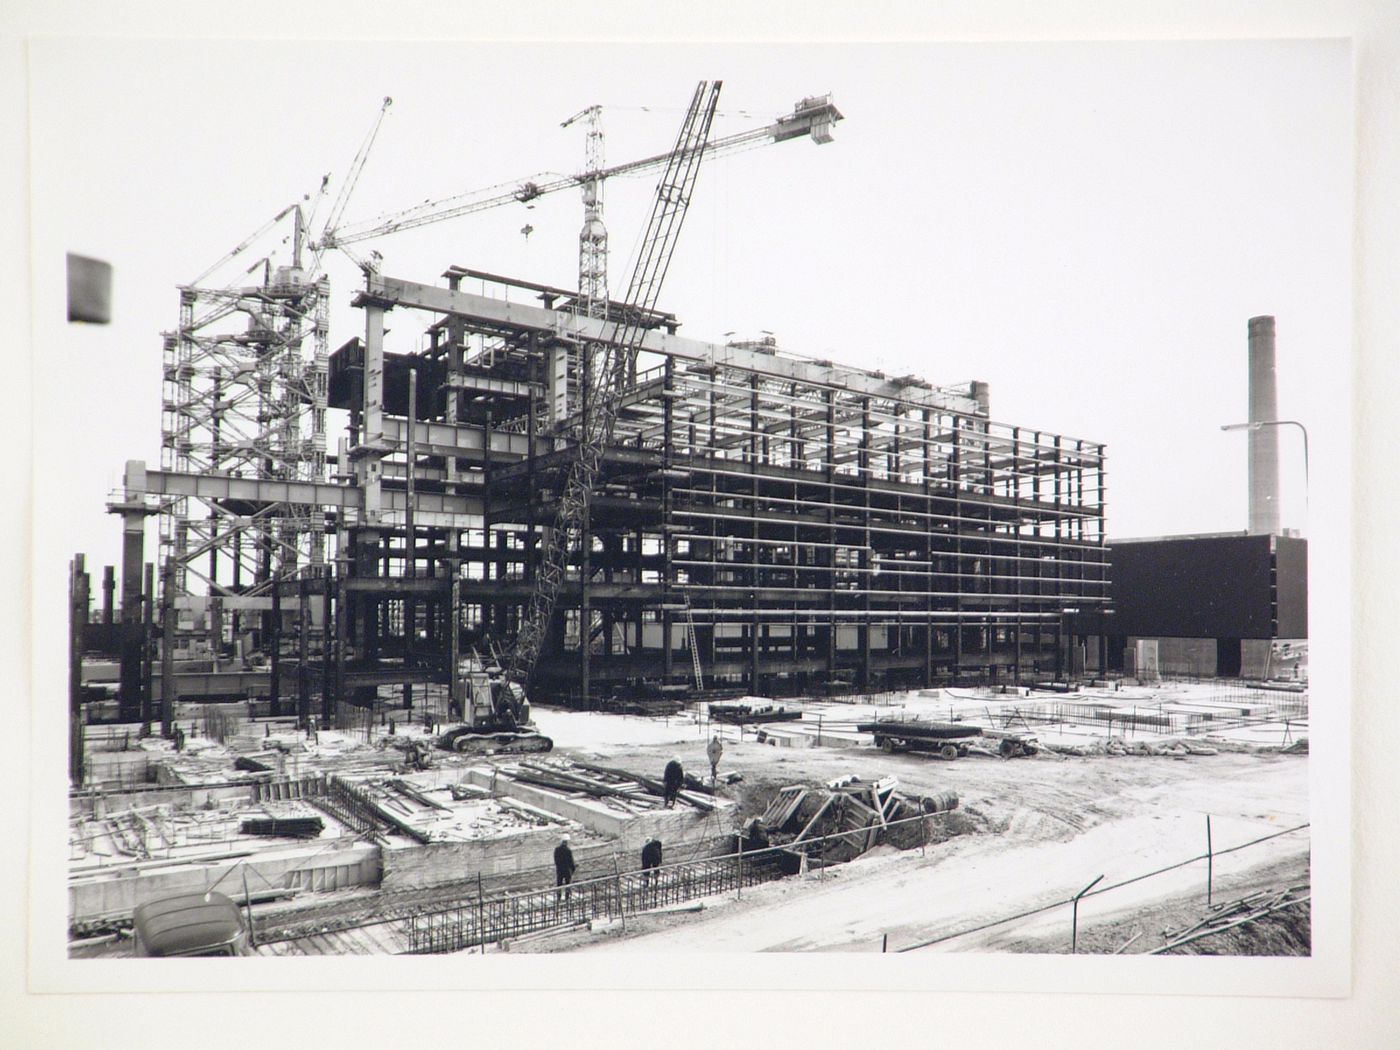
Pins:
x,y
493,702
496,711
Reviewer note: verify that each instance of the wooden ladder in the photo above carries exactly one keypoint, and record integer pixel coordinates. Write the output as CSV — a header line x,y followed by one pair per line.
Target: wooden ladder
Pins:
x,y
694,648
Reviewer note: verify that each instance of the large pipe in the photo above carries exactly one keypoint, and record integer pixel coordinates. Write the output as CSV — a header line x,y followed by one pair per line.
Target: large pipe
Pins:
x,y
1263,441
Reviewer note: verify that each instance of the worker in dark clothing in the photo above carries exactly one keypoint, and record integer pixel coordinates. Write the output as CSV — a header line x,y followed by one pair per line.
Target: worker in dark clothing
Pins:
x,y
672,780
651,860
564,866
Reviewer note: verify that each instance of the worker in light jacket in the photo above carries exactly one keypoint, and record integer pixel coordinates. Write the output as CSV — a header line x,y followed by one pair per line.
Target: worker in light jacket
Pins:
x,y
672,780
564,866
713,751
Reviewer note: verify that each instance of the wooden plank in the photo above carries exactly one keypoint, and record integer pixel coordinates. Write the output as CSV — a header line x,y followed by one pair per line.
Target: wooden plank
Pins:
x,y
815,817
782,808
861,807
418,796
655,787
700,802
575,784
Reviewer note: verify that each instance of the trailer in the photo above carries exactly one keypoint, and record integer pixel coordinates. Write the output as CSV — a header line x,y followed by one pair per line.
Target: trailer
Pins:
x,y
949,740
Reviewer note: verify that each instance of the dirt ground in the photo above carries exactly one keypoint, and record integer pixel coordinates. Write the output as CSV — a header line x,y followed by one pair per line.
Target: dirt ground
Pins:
x,y
1028,832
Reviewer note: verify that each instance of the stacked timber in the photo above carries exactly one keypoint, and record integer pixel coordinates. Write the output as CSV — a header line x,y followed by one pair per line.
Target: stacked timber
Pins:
x,y
647,707
920,728
747,712
283,827
696,792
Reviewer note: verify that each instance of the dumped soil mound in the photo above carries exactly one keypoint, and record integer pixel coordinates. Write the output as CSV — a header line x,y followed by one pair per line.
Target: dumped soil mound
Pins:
x,y
1286,932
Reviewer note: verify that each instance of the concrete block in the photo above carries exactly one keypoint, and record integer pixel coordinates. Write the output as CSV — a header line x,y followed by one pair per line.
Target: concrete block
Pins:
x,y
180,797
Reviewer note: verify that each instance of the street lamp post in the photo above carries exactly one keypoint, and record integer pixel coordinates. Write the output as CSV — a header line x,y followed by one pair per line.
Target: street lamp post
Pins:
x,y
1257,424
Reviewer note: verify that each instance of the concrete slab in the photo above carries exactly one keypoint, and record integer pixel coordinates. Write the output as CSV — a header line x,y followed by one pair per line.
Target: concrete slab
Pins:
x,y
629,830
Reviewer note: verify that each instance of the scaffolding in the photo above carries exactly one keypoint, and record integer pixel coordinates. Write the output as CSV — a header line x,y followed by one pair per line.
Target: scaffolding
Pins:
x,y
244,396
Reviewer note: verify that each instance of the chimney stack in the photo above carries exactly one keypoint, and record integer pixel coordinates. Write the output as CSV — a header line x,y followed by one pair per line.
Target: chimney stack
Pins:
x,y
1263,441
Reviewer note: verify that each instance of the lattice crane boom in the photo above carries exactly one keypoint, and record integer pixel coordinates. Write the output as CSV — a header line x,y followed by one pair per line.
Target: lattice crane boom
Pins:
x,y
616,355
352,177
813,116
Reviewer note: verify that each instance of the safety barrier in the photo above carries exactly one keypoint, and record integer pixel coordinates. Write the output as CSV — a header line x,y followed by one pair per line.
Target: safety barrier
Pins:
x,y
492,920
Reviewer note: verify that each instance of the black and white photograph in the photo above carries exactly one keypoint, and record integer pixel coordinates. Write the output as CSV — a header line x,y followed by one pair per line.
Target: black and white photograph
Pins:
x,y
609,514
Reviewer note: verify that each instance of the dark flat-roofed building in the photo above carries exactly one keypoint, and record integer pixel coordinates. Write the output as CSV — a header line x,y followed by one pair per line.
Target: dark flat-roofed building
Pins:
x,y
1228,604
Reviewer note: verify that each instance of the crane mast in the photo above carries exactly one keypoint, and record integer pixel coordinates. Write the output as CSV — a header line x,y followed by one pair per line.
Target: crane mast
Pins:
x,y
593,237
606,366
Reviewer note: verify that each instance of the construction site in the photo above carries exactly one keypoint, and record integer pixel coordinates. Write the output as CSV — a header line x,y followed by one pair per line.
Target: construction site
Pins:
x,y
520,567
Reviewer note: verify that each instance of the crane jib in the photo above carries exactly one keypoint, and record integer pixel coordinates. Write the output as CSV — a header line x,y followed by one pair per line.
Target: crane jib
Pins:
x,y
813,116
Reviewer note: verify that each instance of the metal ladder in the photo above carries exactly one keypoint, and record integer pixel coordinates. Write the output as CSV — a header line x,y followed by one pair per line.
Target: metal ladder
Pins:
x,y
694,648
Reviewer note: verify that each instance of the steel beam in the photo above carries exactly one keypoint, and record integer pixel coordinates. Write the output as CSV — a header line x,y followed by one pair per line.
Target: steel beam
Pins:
x,y
444,509
397,585
462,441
572,327
490,385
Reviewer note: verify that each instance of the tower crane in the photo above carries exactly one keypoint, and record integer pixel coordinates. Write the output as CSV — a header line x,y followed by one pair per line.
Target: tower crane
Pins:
x,y
814,116
593,237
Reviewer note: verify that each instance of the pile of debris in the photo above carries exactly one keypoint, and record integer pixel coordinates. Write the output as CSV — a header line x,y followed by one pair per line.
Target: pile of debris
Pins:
x,y
1245,911
1119,747
838,823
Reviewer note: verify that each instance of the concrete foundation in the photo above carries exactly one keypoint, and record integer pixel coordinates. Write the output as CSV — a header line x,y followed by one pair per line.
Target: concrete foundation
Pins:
x,y
179,797
437,863
628,830
315,867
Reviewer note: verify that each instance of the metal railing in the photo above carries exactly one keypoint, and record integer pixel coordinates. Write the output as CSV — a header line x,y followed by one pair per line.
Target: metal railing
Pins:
x,y
492,920
479,920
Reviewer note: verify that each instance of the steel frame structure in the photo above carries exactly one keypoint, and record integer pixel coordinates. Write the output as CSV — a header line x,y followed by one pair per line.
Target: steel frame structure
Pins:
x,y
805,525
758,520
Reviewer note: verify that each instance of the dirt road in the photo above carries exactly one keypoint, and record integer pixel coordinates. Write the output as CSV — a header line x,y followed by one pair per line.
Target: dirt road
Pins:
x,y
1039,831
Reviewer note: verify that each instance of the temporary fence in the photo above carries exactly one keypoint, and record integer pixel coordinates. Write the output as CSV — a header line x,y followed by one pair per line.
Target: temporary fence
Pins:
x,y
1094,890
480,920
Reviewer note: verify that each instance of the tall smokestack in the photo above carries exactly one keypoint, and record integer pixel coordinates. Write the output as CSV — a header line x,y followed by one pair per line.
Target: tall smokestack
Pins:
x,y
1263,442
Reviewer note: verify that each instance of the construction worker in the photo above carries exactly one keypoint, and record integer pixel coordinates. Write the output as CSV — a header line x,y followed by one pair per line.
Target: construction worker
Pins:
x,y
712,751
672,780
418,755
564,866
651,860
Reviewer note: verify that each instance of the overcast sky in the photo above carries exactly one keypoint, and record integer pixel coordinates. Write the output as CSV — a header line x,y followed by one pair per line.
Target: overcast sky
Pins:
x,y
1087,227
